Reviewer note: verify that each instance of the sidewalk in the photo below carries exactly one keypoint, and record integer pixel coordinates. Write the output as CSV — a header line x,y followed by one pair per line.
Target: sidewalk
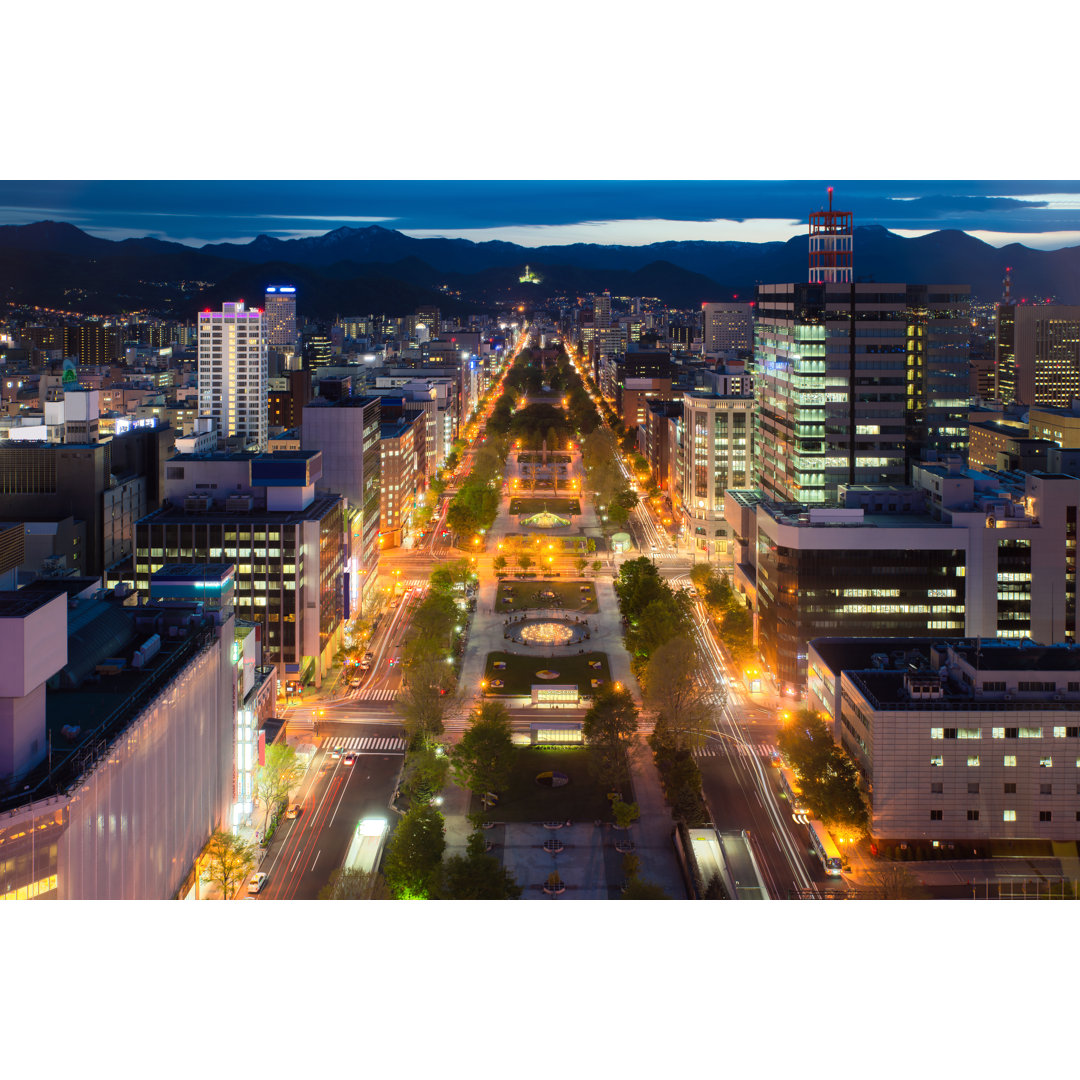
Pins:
x,y
652,832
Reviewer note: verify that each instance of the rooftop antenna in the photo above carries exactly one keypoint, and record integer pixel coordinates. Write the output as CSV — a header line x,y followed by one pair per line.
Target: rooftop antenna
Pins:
x,y
1007,283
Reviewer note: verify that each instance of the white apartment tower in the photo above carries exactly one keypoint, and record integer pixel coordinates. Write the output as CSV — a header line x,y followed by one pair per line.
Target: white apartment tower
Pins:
x,y
232,372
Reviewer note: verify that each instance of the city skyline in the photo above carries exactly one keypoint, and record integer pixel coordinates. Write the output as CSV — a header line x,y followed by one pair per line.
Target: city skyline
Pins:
x,y
1039,214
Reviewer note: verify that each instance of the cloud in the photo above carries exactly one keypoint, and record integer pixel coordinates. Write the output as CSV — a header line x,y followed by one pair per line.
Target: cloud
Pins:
x,y
631,232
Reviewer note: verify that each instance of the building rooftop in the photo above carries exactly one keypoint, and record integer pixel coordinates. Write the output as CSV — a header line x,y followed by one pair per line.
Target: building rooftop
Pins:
x,y
83,723
315,510
19,603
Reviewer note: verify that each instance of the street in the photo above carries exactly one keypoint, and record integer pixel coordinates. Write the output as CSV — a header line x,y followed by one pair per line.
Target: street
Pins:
x,y
334,798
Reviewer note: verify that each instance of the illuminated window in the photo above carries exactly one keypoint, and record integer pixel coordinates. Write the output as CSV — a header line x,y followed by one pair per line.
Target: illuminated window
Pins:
x,y
937,733
973,760
1010,761
937,760
1009,815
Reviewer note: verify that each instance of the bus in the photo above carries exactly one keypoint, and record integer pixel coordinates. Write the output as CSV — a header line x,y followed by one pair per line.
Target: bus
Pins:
x,y
792,792
826,850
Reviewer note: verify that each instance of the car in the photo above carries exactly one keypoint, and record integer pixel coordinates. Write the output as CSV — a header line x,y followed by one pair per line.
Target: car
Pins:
x,y
369,656
257,882
293,811
691,592
365,664
336,753
350,757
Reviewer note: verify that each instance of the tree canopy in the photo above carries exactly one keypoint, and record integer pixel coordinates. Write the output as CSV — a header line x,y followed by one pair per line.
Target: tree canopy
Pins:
x,y
827,776
350,883
414,852
229,860
483,759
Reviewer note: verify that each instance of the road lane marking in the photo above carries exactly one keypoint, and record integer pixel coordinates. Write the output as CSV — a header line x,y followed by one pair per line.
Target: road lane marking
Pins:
x,y
317,854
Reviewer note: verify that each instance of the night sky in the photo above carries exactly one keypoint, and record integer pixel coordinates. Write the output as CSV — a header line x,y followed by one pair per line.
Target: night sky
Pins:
x,y
1042,214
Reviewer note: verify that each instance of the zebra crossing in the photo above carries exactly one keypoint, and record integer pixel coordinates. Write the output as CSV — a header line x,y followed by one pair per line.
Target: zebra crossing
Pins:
x,y
715,750
371,744
376,695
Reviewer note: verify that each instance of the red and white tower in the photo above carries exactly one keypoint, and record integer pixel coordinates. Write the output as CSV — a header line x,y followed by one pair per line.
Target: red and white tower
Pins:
x,y
831,245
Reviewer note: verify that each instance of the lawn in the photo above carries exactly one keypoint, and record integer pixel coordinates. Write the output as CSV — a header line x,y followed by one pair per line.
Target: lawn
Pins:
x,y
524,596
519,675
533,457
583,799
520,504
512,543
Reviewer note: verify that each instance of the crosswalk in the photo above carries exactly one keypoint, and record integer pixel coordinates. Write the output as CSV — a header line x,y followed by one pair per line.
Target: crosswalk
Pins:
x,y
376,695
371,744
715,750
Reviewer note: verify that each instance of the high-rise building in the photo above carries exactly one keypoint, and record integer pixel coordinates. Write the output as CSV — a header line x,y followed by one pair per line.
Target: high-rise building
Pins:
x,y
233,379
727,326
855,382
347,432
317,349
280,316
1037,357
714,453
960,553
288,542
602,309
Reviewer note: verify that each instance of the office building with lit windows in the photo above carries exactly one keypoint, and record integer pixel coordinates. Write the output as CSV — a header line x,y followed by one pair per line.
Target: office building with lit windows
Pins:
x,y
233,379
726,327
957,740
958,553
288,542
346,433
855,383
279,307
714,452
1037,354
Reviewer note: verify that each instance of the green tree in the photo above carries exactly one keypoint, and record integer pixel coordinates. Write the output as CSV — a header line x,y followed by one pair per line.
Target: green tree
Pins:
x,y
596,566
461,518
676,685
274,780
350,883
701,574
737,630
484,758
476,877
581,563
498,564
414,852
827,776
423,701
719,594
524,560
609,725
625,813
425,774
229,861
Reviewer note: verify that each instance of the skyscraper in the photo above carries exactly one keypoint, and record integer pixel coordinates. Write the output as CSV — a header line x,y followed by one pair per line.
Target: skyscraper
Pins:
x,y
1037,357
233,380
280,319
727,326
855,382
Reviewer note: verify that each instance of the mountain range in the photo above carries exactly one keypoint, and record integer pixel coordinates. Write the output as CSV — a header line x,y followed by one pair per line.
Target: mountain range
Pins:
x,y
374,269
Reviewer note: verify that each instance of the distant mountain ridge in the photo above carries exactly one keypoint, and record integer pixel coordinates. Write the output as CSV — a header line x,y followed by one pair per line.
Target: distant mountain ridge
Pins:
x,y
360,269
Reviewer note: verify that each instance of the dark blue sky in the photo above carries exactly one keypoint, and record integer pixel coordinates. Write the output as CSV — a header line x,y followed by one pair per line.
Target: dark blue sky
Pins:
x,y
1042,214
